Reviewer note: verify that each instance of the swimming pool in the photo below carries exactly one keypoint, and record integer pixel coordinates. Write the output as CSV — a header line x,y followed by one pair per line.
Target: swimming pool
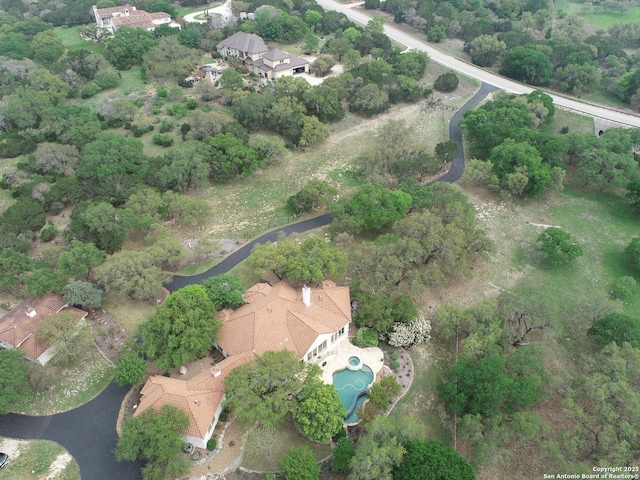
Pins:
x,y
351,386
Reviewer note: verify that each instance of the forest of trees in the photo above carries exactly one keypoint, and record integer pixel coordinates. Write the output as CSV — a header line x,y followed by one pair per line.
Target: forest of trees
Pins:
x,y
524,41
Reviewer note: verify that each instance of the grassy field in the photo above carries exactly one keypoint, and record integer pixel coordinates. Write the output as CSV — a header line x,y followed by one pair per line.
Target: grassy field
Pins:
x,y
40,460
255,204
264,453
71,386
421,401
71,39
597,18
198,267
128,312
603,225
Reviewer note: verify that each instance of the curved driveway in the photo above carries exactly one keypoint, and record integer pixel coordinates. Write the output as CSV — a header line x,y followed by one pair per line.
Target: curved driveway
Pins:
x,y
625,117
88,432
454,174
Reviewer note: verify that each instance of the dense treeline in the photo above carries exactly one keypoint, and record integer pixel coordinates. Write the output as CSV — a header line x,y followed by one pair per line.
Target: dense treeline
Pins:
x,y
517,157
77,158
524,40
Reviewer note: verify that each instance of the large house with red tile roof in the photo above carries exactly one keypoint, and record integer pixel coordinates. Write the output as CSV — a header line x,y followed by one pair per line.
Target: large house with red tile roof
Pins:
x,y
127,15
307,321
258,58
18,327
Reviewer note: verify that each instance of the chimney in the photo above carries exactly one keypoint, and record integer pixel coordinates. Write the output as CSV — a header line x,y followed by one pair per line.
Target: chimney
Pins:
x,y
30,312
306,295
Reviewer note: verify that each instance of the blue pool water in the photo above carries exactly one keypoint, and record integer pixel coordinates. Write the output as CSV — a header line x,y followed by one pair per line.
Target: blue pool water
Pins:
x,y
351,386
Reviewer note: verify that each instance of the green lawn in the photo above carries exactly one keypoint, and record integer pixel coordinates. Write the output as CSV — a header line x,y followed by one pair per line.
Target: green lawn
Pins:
x,y
34,462
71,39
598,18
198,267
128,312
421,401
565,118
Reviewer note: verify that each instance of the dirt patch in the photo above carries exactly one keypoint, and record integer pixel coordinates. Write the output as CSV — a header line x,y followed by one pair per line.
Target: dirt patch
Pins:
x,y
227,460
12,447
58,465
108,334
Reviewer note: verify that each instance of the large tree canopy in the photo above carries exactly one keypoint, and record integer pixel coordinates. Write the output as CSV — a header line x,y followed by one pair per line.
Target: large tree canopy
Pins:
x,y
156,438
372,208
181,329
320,413
432,461
264,389
14,385
310,261
494,384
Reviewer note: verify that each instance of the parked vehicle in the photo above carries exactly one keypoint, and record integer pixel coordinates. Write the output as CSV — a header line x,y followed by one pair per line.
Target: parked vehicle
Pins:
x,y
4,458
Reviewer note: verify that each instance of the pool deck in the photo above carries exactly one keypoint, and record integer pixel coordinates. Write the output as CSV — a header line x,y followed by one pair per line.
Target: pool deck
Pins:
x,y
338,358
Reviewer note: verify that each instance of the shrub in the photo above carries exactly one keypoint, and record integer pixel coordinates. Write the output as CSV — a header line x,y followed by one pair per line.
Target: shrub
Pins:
x,y
623,288
89,90
416,332
394,355
342,454
138,130
48,233
383,391
166,126
162,139
366,337
191,103
447,82
211,444
395,365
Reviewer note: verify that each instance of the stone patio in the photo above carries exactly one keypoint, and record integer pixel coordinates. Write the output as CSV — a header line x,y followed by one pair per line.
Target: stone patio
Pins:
x,y
337,359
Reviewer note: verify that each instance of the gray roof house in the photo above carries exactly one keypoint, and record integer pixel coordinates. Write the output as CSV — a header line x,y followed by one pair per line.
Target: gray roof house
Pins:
x,y
259,59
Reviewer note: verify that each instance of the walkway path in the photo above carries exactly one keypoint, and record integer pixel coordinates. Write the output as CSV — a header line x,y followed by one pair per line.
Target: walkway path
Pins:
x,y
88,432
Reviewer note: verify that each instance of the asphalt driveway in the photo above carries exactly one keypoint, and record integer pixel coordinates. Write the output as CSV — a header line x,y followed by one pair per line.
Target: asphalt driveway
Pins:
x,y
88,432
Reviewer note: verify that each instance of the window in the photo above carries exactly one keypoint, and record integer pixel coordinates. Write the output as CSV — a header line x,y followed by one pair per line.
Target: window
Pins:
x,y
309,356
341,331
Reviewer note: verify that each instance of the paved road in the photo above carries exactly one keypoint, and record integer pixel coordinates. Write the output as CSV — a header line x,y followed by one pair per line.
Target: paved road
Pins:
x,y
617,115
242,253
455,133
88,432
454,174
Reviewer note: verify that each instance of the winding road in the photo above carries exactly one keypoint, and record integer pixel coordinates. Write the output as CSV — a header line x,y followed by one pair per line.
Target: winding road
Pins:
x,y
625,117
88,432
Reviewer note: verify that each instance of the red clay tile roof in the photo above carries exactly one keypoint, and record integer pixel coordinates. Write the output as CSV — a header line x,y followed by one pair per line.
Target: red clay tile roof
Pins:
x,y
19,329
104,11
281,320
274,318
199,397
